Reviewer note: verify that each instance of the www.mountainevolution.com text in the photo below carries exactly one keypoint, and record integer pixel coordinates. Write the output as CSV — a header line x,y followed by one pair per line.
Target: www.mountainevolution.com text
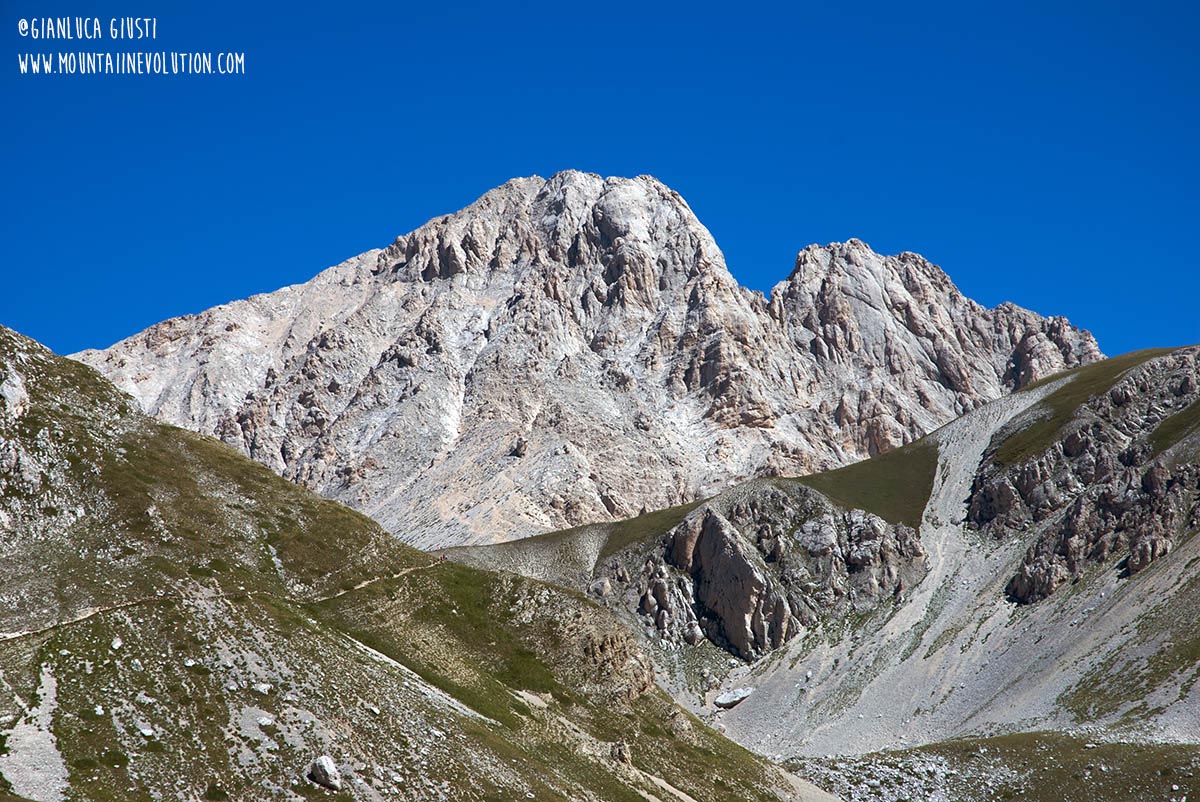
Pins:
x,y
126,63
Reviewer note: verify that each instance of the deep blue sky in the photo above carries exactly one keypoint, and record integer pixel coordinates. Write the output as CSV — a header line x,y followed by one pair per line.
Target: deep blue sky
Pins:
x,y
1039,154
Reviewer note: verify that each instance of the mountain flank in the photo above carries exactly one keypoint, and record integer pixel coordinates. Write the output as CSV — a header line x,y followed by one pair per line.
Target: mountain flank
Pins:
x,y
179,622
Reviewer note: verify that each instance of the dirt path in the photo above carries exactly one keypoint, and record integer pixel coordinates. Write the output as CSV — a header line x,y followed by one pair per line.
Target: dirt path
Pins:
x,y
369,582
82,615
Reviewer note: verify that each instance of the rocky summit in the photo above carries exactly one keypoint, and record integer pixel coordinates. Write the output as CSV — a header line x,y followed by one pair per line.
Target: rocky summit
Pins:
x,y
572,350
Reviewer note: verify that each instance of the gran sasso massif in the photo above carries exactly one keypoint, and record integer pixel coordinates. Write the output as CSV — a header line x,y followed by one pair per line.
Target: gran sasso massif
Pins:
x,y
538,503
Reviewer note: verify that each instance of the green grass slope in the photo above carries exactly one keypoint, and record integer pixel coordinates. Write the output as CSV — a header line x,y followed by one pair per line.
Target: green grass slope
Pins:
x,y
1163,654
1176,428
524,654
894,485
1041,766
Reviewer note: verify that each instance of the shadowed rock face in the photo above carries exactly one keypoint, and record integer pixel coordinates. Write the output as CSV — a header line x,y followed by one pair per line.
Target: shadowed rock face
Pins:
x,y
751,572
1100,491
574,349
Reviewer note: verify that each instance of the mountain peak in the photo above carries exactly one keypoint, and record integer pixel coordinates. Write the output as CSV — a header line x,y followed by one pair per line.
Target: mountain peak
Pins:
x,y
573,349
598,229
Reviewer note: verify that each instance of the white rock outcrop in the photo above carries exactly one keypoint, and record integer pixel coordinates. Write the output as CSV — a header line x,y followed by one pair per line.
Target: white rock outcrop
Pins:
x,y
732,697
31,761
574,349
324,772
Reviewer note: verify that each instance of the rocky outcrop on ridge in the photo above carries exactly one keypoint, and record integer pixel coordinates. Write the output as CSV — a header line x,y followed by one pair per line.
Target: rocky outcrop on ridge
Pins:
x,y
1105,489
753,569
574,349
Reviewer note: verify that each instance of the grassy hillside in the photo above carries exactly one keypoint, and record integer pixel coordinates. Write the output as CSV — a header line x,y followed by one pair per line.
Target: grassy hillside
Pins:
x,y
523,654
178,622
1176,428
894,485
1164,645
1089,381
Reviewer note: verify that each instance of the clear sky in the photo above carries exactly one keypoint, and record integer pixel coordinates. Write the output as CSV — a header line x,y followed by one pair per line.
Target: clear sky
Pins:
x,y
1039,153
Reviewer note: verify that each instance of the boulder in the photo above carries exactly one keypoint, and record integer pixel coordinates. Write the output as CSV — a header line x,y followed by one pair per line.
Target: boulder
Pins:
x,y
324,772
732,697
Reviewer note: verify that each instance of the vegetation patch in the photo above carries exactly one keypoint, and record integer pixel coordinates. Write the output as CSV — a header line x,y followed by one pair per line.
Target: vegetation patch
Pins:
x,y
1058,768
635,530
1042,766
1116,684
450,607
1175,428
895,485
8,796
480,636
618,535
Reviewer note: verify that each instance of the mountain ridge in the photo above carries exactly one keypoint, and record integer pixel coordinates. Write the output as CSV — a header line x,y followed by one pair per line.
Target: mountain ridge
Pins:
x,y
575,349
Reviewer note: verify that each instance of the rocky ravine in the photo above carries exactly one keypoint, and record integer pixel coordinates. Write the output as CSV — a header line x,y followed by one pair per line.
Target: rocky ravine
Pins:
x,y
572,350
1069,606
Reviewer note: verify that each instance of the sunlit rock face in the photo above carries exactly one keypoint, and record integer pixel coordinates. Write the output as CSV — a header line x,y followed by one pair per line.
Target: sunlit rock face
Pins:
x,y
574,349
